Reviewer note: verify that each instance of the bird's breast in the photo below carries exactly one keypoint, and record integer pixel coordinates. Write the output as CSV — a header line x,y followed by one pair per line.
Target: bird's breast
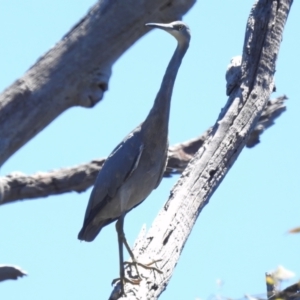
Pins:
x,y
144,179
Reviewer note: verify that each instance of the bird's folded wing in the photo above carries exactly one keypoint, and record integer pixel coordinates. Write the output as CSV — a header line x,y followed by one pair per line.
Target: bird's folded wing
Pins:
x,y
116,170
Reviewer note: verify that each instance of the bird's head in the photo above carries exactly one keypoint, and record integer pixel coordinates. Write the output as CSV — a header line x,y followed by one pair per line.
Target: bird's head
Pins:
x,y
178,29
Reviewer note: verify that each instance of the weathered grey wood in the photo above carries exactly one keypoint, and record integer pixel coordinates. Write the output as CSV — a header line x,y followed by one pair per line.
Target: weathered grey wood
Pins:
x,y
273,110
19,186
171,228
76,71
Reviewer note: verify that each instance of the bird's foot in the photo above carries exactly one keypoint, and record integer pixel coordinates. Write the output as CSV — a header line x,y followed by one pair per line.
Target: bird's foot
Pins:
x,y
135,281
145,266
125,280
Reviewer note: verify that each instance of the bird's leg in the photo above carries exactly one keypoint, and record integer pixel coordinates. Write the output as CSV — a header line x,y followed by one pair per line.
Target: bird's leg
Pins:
x,y
121,238
136,263
121,259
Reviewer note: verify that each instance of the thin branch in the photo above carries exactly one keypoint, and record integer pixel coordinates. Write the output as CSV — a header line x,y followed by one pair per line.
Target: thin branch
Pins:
x,y
272,111
18,186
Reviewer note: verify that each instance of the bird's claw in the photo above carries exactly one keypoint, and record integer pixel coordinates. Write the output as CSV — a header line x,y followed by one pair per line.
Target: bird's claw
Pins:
x,y
126,280
145,266
123,281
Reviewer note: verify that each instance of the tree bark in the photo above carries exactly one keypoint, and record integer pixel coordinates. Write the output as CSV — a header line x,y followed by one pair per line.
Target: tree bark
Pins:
x,y
166,238
76,71
18,186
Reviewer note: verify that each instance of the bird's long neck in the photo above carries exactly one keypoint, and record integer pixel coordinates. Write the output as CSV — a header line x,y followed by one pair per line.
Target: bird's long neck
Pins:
x,y
159,114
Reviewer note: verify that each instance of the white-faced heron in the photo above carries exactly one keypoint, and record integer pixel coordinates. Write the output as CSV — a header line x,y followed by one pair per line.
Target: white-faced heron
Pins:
x,y
136,166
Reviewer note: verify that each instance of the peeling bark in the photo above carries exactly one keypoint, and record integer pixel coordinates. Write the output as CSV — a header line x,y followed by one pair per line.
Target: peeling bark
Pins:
x,y
273,110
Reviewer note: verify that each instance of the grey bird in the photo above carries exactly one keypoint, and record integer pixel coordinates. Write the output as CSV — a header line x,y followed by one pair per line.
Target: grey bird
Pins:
x,y
136,166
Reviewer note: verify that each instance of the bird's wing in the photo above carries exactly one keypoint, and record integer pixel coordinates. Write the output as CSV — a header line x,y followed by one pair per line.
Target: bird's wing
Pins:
x,y
117,168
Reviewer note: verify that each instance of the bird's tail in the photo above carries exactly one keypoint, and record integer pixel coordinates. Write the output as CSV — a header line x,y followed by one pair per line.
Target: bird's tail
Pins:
x,y
88,233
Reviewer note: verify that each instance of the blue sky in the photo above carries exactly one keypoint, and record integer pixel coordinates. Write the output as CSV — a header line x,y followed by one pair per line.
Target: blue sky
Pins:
x,y
241,232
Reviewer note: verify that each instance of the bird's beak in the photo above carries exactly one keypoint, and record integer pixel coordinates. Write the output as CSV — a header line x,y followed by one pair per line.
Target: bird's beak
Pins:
x,y
160,26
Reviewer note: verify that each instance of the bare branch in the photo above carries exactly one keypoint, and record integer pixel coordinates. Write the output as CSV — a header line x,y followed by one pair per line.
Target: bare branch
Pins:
x,y
11,272
272,111
181,154
76,71
19,186
171,228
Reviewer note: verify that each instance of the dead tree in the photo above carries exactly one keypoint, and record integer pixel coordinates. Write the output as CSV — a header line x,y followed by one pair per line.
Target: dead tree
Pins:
x,y
50,87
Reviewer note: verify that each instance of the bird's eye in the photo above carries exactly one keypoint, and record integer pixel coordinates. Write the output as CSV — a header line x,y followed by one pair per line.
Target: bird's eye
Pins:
x,y
180,27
